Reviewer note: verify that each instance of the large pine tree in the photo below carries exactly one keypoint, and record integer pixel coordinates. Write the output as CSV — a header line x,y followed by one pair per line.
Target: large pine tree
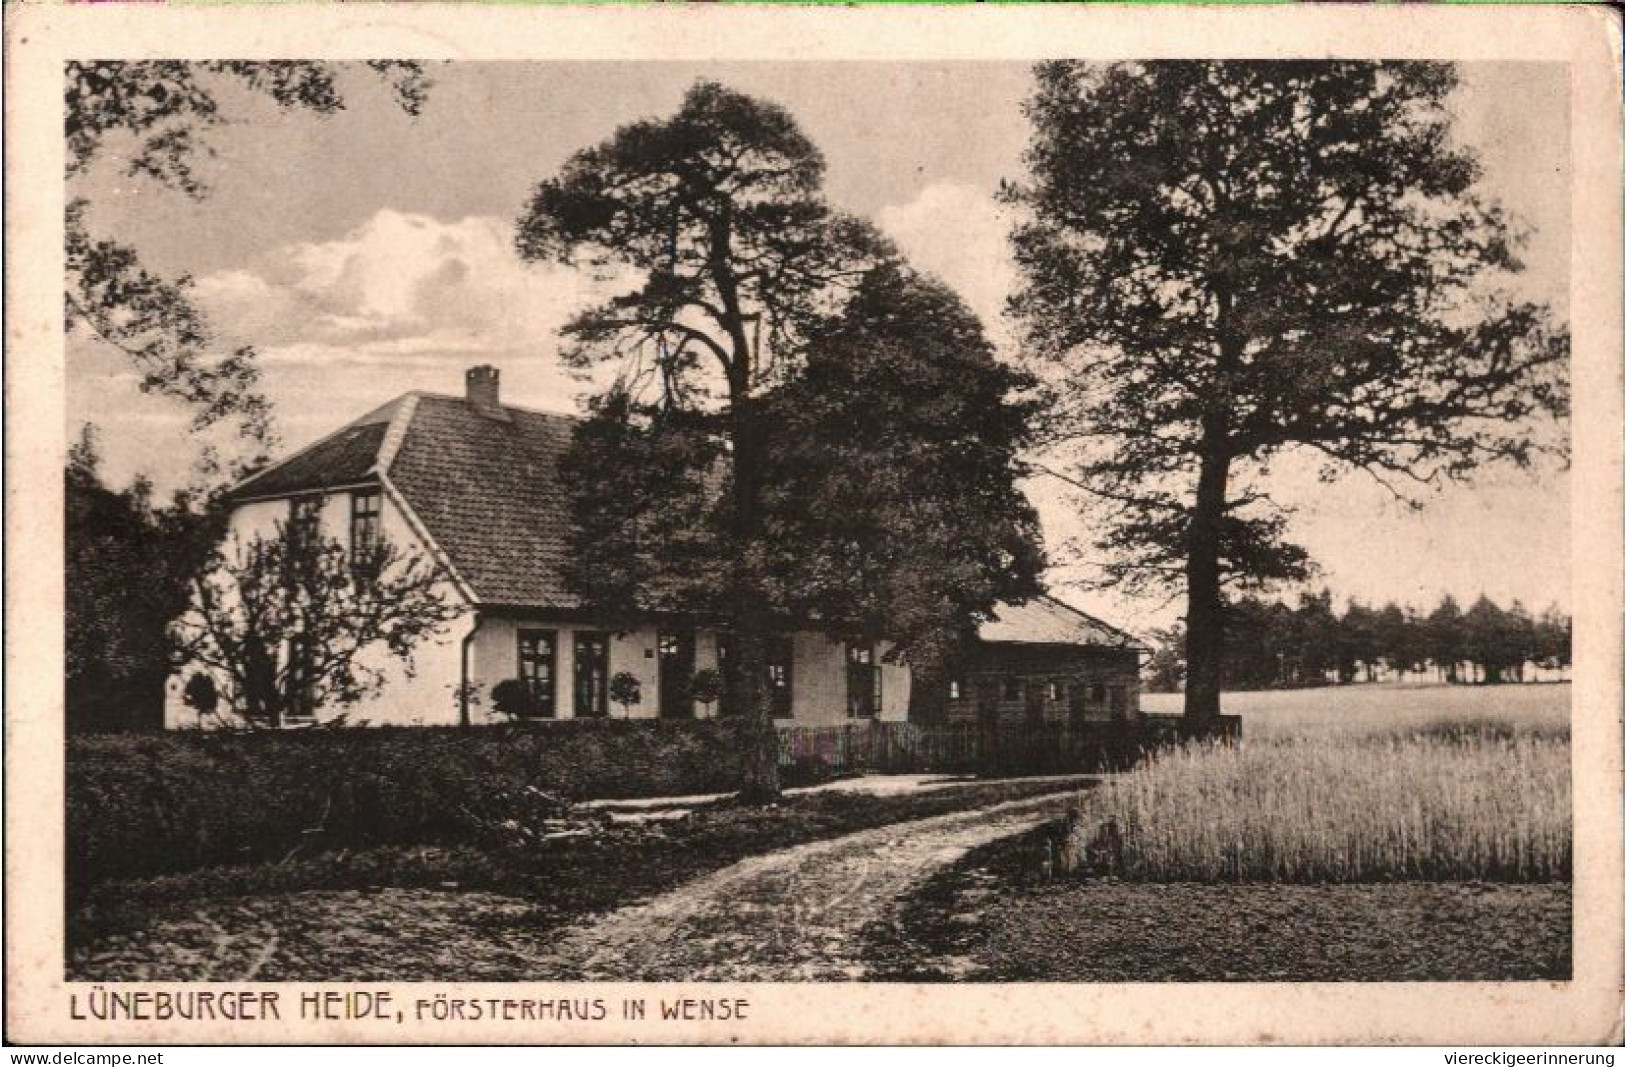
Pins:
x,y
719,212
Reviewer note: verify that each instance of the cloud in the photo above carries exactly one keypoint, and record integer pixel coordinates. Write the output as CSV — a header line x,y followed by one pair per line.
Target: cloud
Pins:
x,y
959,233
403,301
399,287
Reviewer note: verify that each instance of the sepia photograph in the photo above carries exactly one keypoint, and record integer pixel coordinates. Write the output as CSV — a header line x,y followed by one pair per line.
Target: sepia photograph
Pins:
x,y
972,523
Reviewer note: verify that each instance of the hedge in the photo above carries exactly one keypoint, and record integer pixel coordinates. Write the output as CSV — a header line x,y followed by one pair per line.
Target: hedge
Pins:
x,y
144,805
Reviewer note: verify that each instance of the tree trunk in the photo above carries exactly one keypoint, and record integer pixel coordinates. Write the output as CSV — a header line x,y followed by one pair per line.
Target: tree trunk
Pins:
x,y
262,706
1204,612
750,618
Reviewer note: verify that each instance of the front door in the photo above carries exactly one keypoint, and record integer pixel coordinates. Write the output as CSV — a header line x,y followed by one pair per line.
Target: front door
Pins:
x,y
1117,701
676,671
591,675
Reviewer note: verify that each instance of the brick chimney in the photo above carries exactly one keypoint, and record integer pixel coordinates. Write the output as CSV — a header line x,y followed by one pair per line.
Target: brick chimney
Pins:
x,y
485,392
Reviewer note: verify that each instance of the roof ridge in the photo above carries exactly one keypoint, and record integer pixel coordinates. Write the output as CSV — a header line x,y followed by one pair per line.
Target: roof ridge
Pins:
x,y
425,395
406,408
1103,624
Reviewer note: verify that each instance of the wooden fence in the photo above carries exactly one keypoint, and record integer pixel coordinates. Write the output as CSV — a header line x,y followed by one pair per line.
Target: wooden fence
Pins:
x,y
975,748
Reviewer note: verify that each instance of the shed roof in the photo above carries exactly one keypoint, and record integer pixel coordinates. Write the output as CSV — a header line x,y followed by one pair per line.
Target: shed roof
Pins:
x,y
1044,620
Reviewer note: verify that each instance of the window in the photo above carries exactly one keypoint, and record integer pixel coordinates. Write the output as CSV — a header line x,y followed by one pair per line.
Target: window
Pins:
x,y
780,676
1054,690
304,520
536,659
1012,688
591,675
366,533
301,680
725,645
956,689
1097,693
862,682
780,670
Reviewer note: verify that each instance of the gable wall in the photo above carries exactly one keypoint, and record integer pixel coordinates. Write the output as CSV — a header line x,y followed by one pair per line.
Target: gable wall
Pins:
x,y
426,700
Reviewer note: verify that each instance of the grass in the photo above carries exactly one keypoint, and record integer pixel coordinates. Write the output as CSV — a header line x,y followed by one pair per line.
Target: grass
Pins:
x,y
1416,784
1355,834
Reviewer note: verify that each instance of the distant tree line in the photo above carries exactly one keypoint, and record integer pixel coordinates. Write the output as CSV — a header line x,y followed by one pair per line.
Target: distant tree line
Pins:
x,y
1271,645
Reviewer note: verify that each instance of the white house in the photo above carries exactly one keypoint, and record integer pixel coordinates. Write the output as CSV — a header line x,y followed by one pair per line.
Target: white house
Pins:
x,y
474,484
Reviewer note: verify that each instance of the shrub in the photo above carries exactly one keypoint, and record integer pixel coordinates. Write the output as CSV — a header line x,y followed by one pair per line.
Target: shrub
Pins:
x,y
201,694
139,806
513,698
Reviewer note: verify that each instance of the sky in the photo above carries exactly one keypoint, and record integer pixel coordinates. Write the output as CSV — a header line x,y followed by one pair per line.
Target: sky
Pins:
x,y
369,253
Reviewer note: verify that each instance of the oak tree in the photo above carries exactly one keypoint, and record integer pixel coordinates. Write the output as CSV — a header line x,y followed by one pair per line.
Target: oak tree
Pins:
x,y
1222,262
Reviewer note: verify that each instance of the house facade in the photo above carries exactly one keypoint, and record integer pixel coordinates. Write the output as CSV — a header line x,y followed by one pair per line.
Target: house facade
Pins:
x,y
474,484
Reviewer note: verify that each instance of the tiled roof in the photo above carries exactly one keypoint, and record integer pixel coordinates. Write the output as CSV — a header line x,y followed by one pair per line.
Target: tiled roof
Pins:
x,y
1045,620
343,458
487,491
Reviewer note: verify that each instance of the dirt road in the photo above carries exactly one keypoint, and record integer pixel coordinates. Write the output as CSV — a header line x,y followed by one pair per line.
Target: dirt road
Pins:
x,y
790,916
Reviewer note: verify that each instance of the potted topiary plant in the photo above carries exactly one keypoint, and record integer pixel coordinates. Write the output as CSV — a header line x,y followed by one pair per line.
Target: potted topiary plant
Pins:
x,y
625,690
706,687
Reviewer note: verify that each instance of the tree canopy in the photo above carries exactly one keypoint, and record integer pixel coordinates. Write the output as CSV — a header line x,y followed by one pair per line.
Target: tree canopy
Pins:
x,y
1272,645
890,507
156,115
719,211
893,466
1225,261
127,567
717,216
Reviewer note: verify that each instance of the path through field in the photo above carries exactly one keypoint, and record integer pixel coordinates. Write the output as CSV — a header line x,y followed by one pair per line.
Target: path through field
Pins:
x,y
789,916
